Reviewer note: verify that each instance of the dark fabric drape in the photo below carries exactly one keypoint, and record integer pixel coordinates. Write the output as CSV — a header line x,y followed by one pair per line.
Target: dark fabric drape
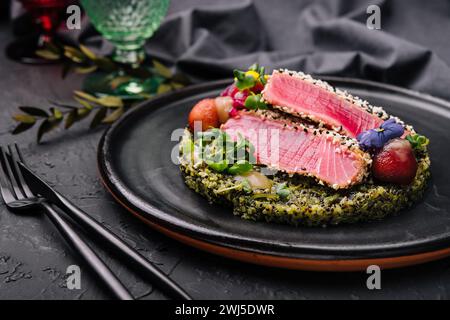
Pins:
x,y
207,39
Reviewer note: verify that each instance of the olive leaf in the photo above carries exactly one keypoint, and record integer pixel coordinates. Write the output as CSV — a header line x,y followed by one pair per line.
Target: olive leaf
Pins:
x,y
66,69
24,118
86,96
33,111
84,103
98,118
84,70
162,70
57,114
87,52
47,126
110,101
176,85
105,64
71,119
21,127
106,109
163,88
106,101
83,113
47,54
114,116
74,54
52,47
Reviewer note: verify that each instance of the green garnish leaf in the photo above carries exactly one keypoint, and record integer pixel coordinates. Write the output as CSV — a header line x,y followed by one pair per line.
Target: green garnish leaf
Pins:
x,y
282,190
243,81
254,102
240,167
417,141
265,195
222,154
246,186
218,166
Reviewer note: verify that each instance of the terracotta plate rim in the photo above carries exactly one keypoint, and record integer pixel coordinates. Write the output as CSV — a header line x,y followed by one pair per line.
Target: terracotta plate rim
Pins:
x,y
345,258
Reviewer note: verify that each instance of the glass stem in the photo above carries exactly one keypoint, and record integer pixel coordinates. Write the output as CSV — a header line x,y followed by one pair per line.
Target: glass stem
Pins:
x,y
132,57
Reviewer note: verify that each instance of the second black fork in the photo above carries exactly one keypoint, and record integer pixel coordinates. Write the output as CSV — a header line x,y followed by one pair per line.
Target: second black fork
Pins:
x,y
19,199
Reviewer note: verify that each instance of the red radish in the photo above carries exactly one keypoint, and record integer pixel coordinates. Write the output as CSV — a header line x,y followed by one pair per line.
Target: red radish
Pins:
x,y
204,112
224,106
395,163
238,96
230,91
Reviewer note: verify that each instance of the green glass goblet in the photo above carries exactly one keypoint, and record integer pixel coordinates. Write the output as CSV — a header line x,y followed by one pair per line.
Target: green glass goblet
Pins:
x,y
127,24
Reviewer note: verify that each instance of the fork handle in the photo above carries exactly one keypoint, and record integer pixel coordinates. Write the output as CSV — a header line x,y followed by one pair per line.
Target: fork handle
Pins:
x,y
92,259
122,248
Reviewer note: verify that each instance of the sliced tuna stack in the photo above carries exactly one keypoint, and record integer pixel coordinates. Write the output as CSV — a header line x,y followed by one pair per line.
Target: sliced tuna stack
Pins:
x,y
301,95
332,159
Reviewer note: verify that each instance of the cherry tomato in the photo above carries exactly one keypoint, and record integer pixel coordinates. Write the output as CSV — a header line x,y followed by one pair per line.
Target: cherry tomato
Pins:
x,y
204,112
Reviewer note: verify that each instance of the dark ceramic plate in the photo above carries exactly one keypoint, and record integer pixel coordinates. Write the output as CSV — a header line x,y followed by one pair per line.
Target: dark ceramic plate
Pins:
x,y
135,165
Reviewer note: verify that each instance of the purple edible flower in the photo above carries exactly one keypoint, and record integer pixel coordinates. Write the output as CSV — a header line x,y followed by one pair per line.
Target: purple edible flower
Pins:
x,y
377,138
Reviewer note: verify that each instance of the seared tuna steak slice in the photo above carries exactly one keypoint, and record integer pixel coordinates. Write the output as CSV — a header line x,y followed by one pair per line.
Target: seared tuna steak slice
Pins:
x,y
301,95
294,148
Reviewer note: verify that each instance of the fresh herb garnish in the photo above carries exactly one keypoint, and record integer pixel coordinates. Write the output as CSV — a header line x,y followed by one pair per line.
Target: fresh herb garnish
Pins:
x,y
254,102
248,80
222,154
282,190
246,186
418,142
243,81
240,167
219,166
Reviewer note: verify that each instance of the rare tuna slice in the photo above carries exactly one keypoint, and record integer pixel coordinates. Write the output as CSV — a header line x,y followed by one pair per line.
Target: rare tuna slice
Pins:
x,y
331,157
295,148
301,95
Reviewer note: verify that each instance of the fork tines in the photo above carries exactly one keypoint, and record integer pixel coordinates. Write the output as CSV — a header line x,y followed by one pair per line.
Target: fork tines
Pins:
x,y
12,183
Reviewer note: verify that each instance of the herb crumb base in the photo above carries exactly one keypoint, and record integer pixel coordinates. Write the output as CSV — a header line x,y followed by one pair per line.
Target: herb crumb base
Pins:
x,y
308,203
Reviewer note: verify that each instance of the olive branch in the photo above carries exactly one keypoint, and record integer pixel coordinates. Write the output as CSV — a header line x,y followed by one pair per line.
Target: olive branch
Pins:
x,y
103,110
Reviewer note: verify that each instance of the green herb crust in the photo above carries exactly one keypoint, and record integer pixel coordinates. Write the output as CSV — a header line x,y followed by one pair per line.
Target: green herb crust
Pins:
x,y
303,201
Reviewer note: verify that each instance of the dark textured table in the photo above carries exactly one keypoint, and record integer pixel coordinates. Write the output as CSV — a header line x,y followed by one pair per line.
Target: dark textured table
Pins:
x,y
34,257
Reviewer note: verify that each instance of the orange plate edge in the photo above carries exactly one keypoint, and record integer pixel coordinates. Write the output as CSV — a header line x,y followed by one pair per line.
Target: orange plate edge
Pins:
x,y
345,265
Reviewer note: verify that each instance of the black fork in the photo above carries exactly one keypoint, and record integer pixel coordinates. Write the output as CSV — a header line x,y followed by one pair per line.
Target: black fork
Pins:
x,y
19,199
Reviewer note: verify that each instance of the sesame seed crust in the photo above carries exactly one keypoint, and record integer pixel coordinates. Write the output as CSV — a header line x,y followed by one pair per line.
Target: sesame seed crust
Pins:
x,y
374,110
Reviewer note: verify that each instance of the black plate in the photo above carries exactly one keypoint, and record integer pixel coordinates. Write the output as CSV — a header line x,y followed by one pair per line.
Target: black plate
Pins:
x,y
135,164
